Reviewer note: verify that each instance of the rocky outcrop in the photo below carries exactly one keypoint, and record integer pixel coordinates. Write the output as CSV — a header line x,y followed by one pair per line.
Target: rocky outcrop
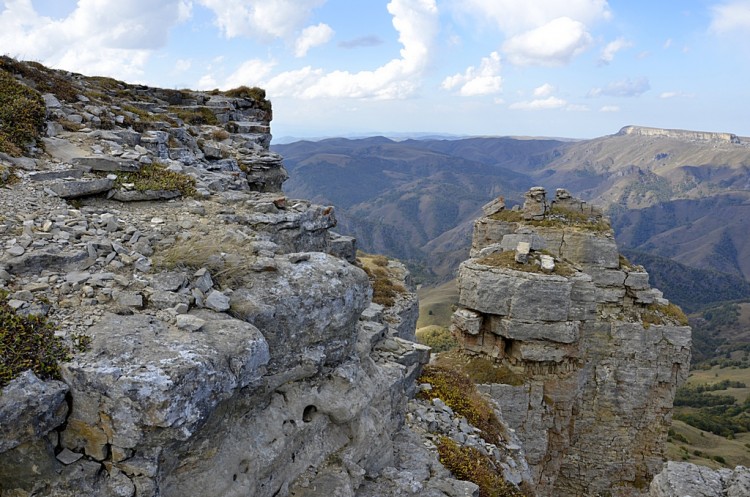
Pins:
x,y
683,478
225,342
680,134
596,353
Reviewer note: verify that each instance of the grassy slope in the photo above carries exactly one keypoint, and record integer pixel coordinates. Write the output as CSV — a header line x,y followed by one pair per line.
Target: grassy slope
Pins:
x,y
440,300
735,452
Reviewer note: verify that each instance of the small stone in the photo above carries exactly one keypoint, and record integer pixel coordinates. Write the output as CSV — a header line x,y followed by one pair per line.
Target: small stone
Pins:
x,y
522,252
217,301
67,456
77,277
189,323
157,220
548,263
203,281
16,250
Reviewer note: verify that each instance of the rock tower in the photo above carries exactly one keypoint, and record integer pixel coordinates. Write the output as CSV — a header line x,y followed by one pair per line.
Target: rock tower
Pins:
x,y
596,353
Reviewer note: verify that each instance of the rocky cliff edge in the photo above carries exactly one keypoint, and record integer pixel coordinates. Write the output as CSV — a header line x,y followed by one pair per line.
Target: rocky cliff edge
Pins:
x,y
220,339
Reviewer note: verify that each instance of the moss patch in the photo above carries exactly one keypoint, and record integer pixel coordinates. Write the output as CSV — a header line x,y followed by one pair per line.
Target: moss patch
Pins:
x,y
557,217
507,215
28,342
458,392
468,463
157,177
7,176
507,259
480,370
254,93
384,283
22,113
196,116
43,79
669,314
437,337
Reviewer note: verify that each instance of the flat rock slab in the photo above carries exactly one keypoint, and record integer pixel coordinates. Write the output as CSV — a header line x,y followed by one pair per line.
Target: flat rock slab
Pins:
x,y
146,195
53,175
107,164
75,189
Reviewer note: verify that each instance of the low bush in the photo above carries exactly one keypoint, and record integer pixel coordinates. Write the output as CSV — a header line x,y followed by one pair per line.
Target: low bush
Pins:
x,y
468,463
157,177
22,113
440,339
459,393
28,342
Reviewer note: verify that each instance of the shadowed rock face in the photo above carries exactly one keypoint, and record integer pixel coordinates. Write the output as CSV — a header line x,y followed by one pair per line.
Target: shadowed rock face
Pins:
x,y
601,353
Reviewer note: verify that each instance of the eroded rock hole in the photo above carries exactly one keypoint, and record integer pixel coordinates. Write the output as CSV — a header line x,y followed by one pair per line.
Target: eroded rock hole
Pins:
x,y
308,413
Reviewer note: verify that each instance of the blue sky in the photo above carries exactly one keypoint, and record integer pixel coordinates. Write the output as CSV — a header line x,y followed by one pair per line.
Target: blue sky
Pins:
x,y
573,68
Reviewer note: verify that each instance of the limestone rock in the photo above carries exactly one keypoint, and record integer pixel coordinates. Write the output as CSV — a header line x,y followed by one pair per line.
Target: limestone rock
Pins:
x,y
312,305
83,188
29,409
679,479
576,338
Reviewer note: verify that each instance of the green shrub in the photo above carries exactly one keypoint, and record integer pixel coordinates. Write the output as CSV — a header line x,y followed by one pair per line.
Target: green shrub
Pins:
x,y
157,177
28,342
459,393
254,93
196,116
468,463
22,113
437,337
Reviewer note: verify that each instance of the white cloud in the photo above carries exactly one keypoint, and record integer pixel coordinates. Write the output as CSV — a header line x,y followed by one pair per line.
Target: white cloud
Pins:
x,y
732,16
107,37
417,24
608,52
483,81
577,108
513,16
609,108
182,65
667,43
675,94
250,73
552,44
264,20
545,90
623,88
312,36
540,104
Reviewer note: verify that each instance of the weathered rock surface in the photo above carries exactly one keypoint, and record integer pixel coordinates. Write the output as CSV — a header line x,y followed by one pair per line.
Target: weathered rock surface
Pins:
x,y
233,348
679,479
599,352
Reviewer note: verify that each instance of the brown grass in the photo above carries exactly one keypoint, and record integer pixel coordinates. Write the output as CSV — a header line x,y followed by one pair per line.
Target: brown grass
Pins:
x,y
507,259
385,285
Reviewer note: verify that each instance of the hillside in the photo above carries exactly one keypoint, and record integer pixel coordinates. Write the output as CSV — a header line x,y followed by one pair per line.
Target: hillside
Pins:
x,y
664,191
400,198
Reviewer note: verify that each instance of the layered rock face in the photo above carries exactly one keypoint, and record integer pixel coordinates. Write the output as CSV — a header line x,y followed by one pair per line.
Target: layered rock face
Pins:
x,y
233,347
680,134
597,354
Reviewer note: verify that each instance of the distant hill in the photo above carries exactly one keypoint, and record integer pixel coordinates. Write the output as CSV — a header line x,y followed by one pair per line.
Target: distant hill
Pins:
x,y
692,289
674,194
401,198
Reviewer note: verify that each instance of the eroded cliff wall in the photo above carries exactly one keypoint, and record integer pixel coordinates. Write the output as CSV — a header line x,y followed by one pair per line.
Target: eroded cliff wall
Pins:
x,y
597,354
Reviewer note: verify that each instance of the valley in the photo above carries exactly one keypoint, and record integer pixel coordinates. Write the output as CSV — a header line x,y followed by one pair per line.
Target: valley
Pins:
x,y
679,201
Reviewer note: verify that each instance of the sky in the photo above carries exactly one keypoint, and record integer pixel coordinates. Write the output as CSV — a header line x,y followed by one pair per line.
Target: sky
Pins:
x,y
559,68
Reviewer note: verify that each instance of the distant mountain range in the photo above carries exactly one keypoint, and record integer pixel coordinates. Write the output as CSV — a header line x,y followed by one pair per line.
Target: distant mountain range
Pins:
x,y
674,194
